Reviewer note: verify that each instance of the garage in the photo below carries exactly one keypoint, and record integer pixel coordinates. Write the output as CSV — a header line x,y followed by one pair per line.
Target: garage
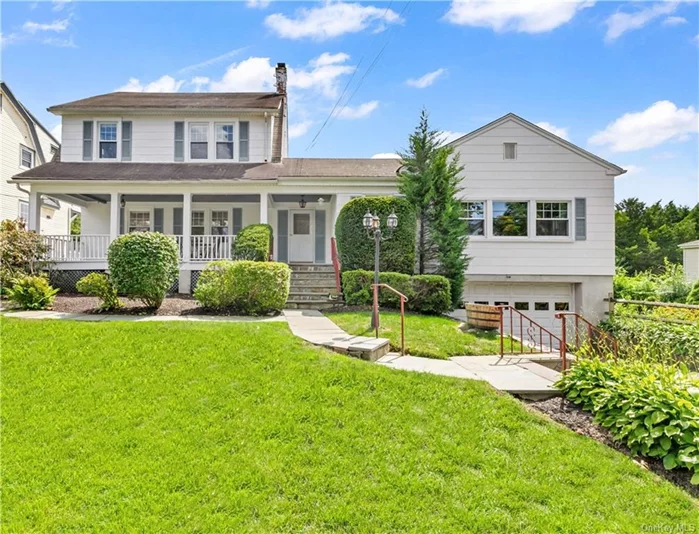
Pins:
x,y
538,301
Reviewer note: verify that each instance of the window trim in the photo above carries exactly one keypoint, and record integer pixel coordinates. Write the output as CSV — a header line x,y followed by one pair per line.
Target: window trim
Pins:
x,y
32,154
127,217
484,219
210,220
504,151
204,212
96,146
232,124
491,220
569,209
189,140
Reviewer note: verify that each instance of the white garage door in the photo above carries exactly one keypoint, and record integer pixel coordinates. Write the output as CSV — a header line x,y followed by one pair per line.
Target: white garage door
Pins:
x,y
540,302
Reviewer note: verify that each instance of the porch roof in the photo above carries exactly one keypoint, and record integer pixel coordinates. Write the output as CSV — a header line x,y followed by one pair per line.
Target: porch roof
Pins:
x,y
196,172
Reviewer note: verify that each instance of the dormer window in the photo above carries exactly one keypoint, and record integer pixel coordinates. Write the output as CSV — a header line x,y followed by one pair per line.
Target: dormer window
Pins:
x,y
199,140
108,140
224,141
509,150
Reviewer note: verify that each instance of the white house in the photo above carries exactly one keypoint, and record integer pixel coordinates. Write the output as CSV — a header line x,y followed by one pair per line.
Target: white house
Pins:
x,y
690,260
24,144
200,166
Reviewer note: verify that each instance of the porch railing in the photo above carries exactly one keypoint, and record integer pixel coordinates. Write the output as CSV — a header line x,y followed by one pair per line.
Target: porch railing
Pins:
x,y
212,247
76,247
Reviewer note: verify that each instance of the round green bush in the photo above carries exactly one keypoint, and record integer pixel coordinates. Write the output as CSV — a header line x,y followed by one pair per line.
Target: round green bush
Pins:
x,y
356,250
143,265
253,242
98,285
244,287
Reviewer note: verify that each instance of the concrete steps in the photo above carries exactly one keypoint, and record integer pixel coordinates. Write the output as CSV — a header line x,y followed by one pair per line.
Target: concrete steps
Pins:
x,y
313,287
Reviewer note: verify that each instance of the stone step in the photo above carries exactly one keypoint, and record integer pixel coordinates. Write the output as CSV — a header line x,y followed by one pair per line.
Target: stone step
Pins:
x,y
366,348
311,267
323,290
313,275
310,305
299,296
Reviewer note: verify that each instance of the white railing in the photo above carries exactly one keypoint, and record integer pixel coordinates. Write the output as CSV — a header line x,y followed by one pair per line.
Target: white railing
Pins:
x,y
76,247
179,239
211,247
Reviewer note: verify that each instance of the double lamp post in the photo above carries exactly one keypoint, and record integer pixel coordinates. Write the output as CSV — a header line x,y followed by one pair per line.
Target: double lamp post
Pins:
x,y
372,225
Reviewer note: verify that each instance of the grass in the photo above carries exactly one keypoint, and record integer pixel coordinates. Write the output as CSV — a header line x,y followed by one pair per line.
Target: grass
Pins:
x,y
429,336
220,427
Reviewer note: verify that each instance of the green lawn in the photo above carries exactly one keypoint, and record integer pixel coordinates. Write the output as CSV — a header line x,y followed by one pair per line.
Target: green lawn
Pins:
x,y
220,427
430,336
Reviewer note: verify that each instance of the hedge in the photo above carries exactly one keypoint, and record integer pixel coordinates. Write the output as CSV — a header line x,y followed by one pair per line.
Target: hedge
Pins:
x,y
428,294
356,250
253,242
244,287
143,265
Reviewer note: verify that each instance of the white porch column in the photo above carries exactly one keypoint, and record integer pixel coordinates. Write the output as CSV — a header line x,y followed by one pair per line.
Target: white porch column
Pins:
x,y
186,226
264,197
34,222
114,212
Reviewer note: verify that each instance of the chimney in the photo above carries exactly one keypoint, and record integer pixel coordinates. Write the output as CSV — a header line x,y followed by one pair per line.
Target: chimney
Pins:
x,y
280,75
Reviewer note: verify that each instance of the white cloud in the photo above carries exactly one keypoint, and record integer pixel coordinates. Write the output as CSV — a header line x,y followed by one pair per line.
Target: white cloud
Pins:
x,y
327,58
60,43
252,74
526,16
199,82
164,84
57,131
426,80
448,136
55,26
385,155
555,130
663,121
58,5
359,112
209,62
299,129
632,169
674,21
331,20
620,22
258,4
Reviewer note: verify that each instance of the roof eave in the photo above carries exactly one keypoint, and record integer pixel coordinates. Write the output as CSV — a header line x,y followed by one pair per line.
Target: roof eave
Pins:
x,y
58,110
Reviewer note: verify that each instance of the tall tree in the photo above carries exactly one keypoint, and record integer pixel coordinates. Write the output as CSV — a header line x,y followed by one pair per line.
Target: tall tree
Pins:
x,y
415,182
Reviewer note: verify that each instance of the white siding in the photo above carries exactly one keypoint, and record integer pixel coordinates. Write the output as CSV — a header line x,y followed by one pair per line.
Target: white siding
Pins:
x,y
543,170
691,263
153,137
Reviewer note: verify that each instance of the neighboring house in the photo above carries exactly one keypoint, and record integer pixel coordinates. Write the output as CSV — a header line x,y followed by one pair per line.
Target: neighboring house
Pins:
x,y
690,260
201,166
24,144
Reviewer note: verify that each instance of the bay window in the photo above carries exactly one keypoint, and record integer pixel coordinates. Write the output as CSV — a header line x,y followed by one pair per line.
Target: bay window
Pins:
x,y
510,219
552,219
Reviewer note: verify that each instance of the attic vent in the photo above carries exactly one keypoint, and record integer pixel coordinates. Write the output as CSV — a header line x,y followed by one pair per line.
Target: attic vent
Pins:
x,y
509,150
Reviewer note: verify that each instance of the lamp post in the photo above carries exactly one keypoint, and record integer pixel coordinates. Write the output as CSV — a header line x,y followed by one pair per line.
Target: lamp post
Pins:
x,y
372,224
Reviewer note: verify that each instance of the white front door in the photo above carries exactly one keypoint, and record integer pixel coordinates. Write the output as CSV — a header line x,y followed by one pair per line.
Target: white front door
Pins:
x,y
301,236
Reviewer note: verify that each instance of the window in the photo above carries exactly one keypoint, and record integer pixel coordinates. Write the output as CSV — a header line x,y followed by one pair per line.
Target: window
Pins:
x,y
541,306
199,140
483,302
139,221
26,157
224,141
552,219
108,140
198,224
474,215
219,222
561,306
244,145
501,303
24,211
87,140
509,150
179,141
510,219
126,134
522,306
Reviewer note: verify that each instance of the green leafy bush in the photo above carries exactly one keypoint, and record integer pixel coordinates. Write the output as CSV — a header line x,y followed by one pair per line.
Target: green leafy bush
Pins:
x,y
144,265
693,297
21,252
356,250
651,408
668,286
98,285
31,292
253,242
429,294
245,287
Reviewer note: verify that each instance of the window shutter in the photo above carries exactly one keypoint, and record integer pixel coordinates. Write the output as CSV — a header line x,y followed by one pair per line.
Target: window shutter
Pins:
x,y
158,217
244,145
87,140
320,236
177,225
283,237
580,219
122,214
179,141
126,131
237,220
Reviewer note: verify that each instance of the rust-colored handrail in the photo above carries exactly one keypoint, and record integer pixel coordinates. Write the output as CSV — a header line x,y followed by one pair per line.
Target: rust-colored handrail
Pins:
x,y
336,264
593,332
544,335
403,300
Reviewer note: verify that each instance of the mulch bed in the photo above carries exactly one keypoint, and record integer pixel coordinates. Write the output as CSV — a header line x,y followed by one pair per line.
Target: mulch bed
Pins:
x,y
565,412
172,305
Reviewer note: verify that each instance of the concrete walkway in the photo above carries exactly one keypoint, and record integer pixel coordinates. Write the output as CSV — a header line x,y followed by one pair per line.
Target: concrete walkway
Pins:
x,y
99,317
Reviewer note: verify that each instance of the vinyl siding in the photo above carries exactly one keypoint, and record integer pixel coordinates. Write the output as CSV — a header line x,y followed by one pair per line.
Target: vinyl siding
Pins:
x,y
691,263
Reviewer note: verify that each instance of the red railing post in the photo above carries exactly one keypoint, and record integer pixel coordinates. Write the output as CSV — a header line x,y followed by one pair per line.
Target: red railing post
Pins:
x,y
402,326
336,264
502,335
564,344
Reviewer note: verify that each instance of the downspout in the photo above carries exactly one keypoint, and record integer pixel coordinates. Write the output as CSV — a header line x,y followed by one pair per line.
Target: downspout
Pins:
x,y
266,136
19,186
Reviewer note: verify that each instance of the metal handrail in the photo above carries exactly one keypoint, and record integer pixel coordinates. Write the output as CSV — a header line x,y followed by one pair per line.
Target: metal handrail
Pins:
x,y
610,341
336,264
403,300
543,333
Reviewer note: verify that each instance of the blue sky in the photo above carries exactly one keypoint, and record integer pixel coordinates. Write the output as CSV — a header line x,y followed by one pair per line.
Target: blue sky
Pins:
x,y
620,79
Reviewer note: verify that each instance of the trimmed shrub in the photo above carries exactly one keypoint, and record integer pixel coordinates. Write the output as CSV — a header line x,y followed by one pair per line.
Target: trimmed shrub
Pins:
x,y
356,251
431,294
98,285
143,265
32,292
253,243
245,287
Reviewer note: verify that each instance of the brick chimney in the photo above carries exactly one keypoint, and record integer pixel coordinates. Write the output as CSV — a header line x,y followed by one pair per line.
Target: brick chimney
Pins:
x,y
280,132
280,75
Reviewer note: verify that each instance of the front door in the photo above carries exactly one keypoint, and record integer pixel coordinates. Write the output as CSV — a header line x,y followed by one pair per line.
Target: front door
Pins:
x,y
301,236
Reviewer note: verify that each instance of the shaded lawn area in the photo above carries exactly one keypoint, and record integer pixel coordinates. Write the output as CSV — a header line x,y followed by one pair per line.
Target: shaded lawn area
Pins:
x,y
425,335
224,427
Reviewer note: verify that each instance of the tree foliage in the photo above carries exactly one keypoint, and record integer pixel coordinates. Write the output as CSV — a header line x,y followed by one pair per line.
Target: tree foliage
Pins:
x,y
21,252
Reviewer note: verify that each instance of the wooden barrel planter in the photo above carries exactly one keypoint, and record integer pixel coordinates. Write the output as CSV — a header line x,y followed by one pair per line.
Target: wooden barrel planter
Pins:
x,y
483,316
